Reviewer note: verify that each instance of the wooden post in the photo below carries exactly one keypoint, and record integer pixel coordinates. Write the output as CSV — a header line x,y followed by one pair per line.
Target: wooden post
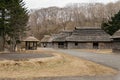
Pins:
x,y
33,46
26,45
36,46
29,45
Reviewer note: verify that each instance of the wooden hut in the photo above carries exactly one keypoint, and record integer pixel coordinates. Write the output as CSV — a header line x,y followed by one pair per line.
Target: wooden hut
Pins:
x,y
116,42
80,38
59,40
31,43
55,40
46,41
83,38
89,38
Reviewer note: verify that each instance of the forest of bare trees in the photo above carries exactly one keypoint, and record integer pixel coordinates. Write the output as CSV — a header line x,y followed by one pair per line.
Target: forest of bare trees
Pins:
x,y
54,19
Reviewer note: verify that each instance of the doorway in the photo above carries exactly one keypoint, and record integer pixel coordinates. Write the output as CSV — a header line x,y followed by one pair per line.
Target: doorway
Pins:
x,y
62,45
95,45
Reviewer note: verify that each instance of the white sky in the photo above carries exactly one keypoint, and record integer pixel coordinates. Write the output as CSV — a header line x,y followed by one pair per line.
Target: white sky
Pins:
x,y
36,4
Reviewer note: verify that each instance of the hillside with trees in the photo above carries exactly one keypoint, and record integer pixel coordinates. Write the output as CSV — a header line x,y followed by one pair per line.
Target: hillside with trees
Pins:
x,y
53,19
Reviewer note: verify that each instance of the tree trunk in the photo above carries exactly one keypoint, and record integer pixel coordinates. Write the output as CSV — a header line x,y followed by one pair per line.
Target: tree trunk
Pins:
x,y
1,44
12,45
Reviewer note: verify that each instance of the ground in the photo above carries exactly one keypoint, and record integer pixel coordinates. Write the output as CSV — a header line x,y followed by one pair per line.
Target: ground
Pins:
x,y
108,59
98,51
59,65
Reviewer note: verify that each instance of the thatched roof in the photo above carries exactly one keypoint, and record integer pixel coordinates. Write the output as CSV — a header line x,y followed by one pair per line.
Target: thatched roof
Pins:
x,y
31,38
83,35
47,38
116,35
89,34
80,35
61,37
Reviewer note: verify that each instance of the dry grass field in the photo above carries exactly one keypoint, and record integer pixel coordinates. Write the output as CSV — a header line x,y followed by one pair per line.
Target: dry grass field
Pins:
x,y
59,65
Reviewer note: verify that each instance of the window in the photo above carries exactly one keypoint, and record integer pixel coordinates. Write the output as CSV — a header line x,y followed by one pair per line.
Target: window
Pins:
x,y
76,44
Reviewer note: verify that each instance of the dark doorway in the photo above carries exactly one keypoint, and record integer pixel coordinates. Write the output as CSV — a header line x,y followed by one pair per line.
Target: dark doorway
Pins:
x,y
44,45
31,45
76,44
95,45
62,45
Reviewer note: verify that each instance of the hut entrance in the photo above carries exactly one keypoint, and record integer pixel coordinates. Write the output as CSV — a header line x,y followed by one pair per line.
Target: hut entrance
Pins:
x,y
62,45
31,45
95,45
44,45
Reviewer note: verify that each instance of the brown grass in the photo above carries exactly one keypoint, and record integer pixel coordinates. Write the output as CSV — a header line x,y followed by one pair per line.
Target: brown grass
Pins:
x,y
59,65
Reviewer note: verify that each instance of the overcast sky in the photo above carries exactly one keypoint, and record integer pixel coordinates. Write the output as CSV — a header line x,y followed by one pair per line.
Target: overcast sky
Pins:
x,y
36,4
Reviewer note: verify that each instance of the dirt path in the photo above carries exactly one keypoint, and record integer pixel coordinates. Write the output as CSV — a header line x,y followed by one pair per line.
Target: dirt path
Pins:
x,y
111,60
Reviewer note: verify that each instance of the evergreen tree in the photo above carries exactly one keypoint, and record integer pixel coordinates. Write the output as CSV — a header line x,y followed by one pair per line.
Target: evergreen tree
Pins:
x,y
112,25
19,18
4,13
13,21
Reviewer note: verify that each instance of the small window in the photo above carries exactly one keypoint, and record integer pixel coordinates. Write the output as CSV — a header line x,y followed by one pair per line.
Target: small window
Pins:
x,y
76,44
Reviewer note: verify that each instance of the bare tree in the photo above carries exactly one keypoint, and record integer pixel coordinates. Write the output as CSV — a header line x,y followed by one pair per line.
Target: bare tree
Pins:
x,y
53,19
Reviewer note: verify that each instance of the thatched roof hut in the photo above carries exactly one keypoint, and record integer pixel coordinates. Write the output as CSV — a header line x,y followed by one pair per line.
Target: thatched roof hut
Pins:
x,y
86,37
31,43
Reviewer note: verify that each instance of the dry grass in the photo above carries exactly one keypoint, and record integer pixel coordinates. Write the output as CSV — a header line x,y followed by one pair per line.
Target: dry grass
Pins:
x,y
98,51
59,65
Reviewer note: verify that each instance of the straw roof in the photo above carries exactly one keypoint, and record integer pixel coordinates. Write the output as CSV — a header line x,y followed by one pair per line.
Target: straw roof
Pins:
x,y
61,37
79,35
83,35
116,34
31,38
89,34
47,38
